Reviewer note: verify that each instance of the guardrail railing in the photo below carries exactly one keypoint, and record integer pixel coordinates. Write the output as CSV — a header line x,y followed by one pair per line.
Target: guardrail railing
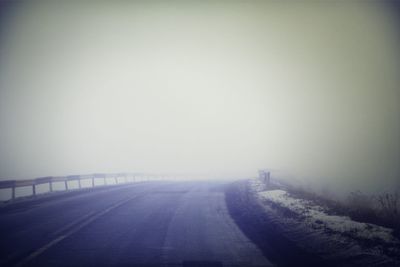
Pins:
x,y
127,178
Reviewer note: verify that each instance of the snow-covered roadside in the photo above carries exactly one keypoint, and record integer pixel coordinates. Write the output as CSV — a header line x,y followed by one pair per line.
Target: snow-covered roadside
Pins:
x,y
316,228
317,217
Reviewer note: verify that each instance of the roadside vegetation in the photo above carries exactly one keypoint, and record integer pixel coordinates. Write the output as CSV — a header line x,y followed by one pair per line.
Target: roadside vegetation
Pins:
x,y
295,227
380,209
360,229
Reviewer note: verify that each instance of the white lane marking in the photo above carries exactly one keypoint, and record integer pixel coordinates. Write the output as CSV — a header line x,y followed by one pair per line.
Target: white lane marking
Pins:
x,y
74,222
89,220
40,250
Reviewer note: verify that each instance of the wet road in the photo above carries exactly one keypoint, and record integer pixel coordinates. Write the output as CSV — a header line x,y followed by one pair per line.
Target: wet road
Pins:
x,y
145,224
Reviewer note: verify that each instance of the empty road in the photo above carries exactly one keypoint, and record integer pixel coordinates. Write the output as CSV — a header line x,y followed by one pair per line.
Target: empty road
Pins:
x,y
144,224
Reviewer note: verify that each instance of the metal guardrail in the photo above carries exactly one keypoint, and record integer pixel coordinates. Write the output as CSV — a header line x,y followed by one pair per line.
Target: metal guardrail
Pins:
x,y
128,178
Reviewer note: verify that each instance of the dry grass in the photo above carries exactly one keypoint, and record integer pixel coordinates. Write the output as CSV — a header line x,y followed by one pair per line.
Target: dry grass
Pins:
x,y
382,209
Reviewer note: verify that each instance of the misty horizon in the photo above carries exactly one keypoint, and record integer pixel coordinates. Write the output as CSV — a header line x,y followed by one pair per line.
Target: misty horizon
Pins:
x,y
309,91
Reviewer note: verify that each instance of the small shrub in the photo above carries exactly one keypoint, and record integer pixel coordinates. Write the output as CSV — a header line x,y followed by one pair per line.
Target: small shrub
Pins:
x,y
389,208
361,207
389,204
382,209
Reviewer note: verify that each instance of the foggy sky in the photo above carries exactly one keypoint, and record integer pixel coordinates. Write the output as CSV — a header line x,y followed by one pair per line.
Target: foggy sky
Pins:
x,y
309,89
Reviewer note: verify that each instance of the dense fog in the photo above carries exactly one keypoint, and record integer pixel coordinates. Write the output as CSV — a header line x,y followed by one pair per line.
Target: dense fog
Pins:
x,y
307,89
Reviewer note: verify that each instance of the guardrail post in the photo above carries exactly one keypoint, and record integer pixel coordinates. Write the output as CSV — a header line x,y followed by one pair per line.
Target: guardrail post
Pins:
x,y
51,186
93,181
66,185
34,189
79,183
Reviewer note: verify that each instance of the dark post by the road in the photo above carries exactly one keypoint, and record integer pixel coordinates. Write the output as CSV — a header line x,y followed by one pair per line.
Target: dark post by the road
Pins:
x,y
265,177
13,193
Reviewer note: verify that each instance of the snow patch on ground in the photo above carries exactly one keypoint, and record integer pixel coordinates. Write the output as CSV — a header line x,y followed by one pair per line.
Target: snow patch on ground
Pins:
x,y
316,216
335,238
257,185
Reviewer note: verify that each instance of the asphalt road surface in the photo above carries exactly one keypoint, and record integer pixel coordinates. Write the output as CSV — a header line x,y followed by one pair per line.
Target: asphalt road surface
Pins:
x,y
144,224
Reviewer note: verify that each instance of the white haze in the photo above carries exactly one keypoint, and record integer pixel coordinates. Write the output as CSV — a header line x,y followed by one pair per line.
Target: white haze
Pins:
x,y
308,89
